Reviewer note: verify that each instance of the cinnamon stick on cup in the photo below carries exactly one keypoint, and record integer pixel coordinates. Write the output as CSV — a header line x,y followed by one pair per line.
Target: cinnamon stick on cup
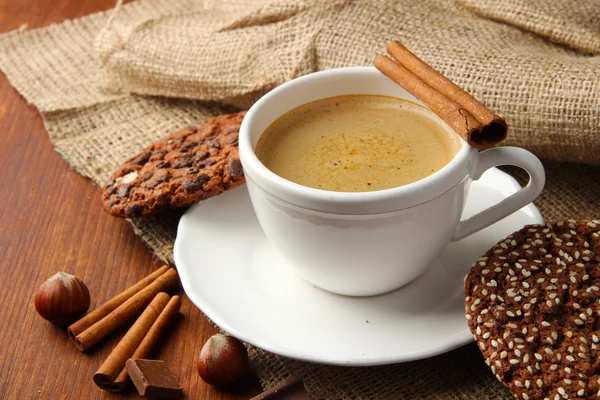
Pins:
x,y
474,122
137,342
131,307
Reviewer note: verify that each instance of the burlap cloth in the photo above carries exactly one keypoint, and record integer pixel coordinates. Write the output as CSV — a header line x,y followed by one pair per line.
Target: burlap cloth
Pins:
x,y
535,62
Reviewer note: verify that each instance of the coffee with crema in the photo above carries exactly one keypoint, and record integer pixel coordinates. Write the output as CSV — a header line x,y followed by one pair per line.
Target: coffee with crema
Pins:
x,y
357,143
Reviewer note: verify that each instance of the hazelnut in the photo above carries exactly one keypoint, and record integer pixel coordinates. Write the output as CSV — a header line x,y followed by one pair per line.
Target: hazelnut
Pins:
x,y
223,360
62,299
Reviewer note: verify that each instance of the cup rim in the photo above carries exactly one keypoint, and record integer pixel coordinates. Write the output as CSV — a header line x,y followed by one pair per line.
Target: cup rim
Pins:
x,y
413,193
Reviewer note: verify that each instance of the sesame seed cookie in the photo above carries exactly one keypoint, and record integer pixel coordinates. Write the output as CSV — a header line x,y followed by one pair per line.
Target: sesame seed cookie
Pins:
x,y
533,305
183,168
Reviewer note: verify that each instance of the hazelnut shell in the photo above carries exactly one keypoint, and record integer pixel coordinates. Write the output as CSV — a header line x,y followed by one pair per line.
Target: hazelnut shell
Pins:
x,y
62,299
223,360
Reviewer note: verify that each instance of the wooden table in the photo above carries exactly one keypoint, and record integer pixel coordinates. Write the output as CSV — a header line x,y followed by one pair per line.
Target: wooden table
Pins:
x,y
51,219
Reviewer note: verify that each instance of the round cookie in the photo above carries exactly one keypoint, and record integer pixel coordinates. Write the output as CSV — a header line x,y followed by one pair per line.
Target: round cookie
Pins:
x,y
533,305
178,170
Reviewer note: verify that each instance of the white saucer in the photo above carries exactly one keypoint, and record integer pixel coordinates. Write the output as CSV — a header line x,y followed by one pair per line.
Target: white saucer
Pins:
x,y
230,271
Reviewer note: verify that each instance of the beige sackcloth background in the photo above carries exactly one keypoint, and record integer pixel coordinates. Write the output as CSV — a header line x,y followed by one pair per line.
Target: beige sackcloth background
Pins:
x,y
110,83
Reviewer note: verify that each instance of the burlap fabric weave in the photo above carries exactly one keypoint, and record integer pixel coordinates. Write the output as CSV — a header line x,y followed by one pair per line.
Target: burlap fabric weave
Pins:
x,y
91,79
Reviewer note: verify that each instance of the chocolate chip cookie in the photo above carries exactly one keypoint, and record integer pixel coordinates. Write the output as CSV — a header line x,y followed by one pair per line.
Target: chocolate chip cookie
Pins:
x,y
532,304
181,169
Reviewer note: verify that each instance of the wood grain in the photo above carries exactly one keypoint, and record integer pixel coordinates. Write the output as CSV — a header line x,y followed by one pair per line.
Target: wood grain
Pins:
x,y
51,219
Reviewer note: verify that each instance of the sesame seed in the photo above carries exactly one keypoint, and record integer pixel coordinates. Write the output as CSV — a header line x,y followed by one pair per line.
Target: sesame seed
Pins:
x,y
545,323
530,339
505,335
581,355
554,367
567,381
518,384
511,345
537,366
538,356
576,306
512,326
548,350
494,343
549,303
568,370
554,335
569,334
530,369
582,339
540,383
561,391
503,354
514,361
578,321
525,397
518,353
570,358
498,363
494,354
486,335
526,358
580,392
573,279
559,356
595,338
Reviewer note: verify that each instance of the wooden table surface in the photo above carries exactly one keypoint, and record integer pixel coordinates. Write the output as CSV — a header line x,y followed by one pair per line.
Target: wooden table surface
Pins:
x,y
51,219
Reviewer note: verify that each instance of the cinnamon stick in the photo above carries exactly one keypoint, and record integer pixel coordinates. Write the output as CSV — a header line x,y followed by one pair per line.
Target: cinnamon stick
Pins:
x,y
151,338
131,307
474,122
110,369
90,319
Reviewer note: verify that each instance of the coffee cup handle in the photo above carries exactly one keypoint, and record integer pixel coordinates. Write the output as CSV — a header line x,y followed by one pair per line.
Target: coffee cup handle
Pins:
x,y
493,158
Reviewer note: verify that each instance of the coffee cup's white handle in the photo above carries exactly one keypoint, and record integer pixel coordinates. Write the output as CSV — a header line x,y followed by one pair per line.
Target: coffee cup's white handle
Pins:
x,y
493,158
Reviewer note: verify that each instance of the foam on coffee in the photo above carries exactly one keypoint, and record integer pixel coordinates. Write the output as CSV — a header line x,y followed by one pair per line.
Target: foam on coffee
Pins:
x,y
357,143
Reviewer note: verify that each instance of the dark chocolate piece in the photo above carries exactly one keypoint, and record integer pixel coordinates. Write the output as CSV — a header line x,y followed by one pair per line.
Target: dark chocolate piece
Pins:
x,y
291,389
153,379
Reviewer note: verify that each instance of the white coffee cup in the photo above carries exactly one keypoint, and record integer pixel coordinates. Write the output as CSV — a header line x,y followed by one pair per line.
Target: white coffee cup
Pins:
x,y
363,244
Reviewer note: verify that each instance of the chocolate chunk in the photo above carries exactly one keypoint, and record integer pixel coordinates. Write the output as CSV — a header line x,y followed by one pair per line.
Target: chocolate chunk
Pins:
x,y
196,184
160,151
187,146
153,379
291,389
202,156
111,190
233,141
235,170
161,164
233,129
182,162
142,158
124,190
133,210
214,144
147,176
206,163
